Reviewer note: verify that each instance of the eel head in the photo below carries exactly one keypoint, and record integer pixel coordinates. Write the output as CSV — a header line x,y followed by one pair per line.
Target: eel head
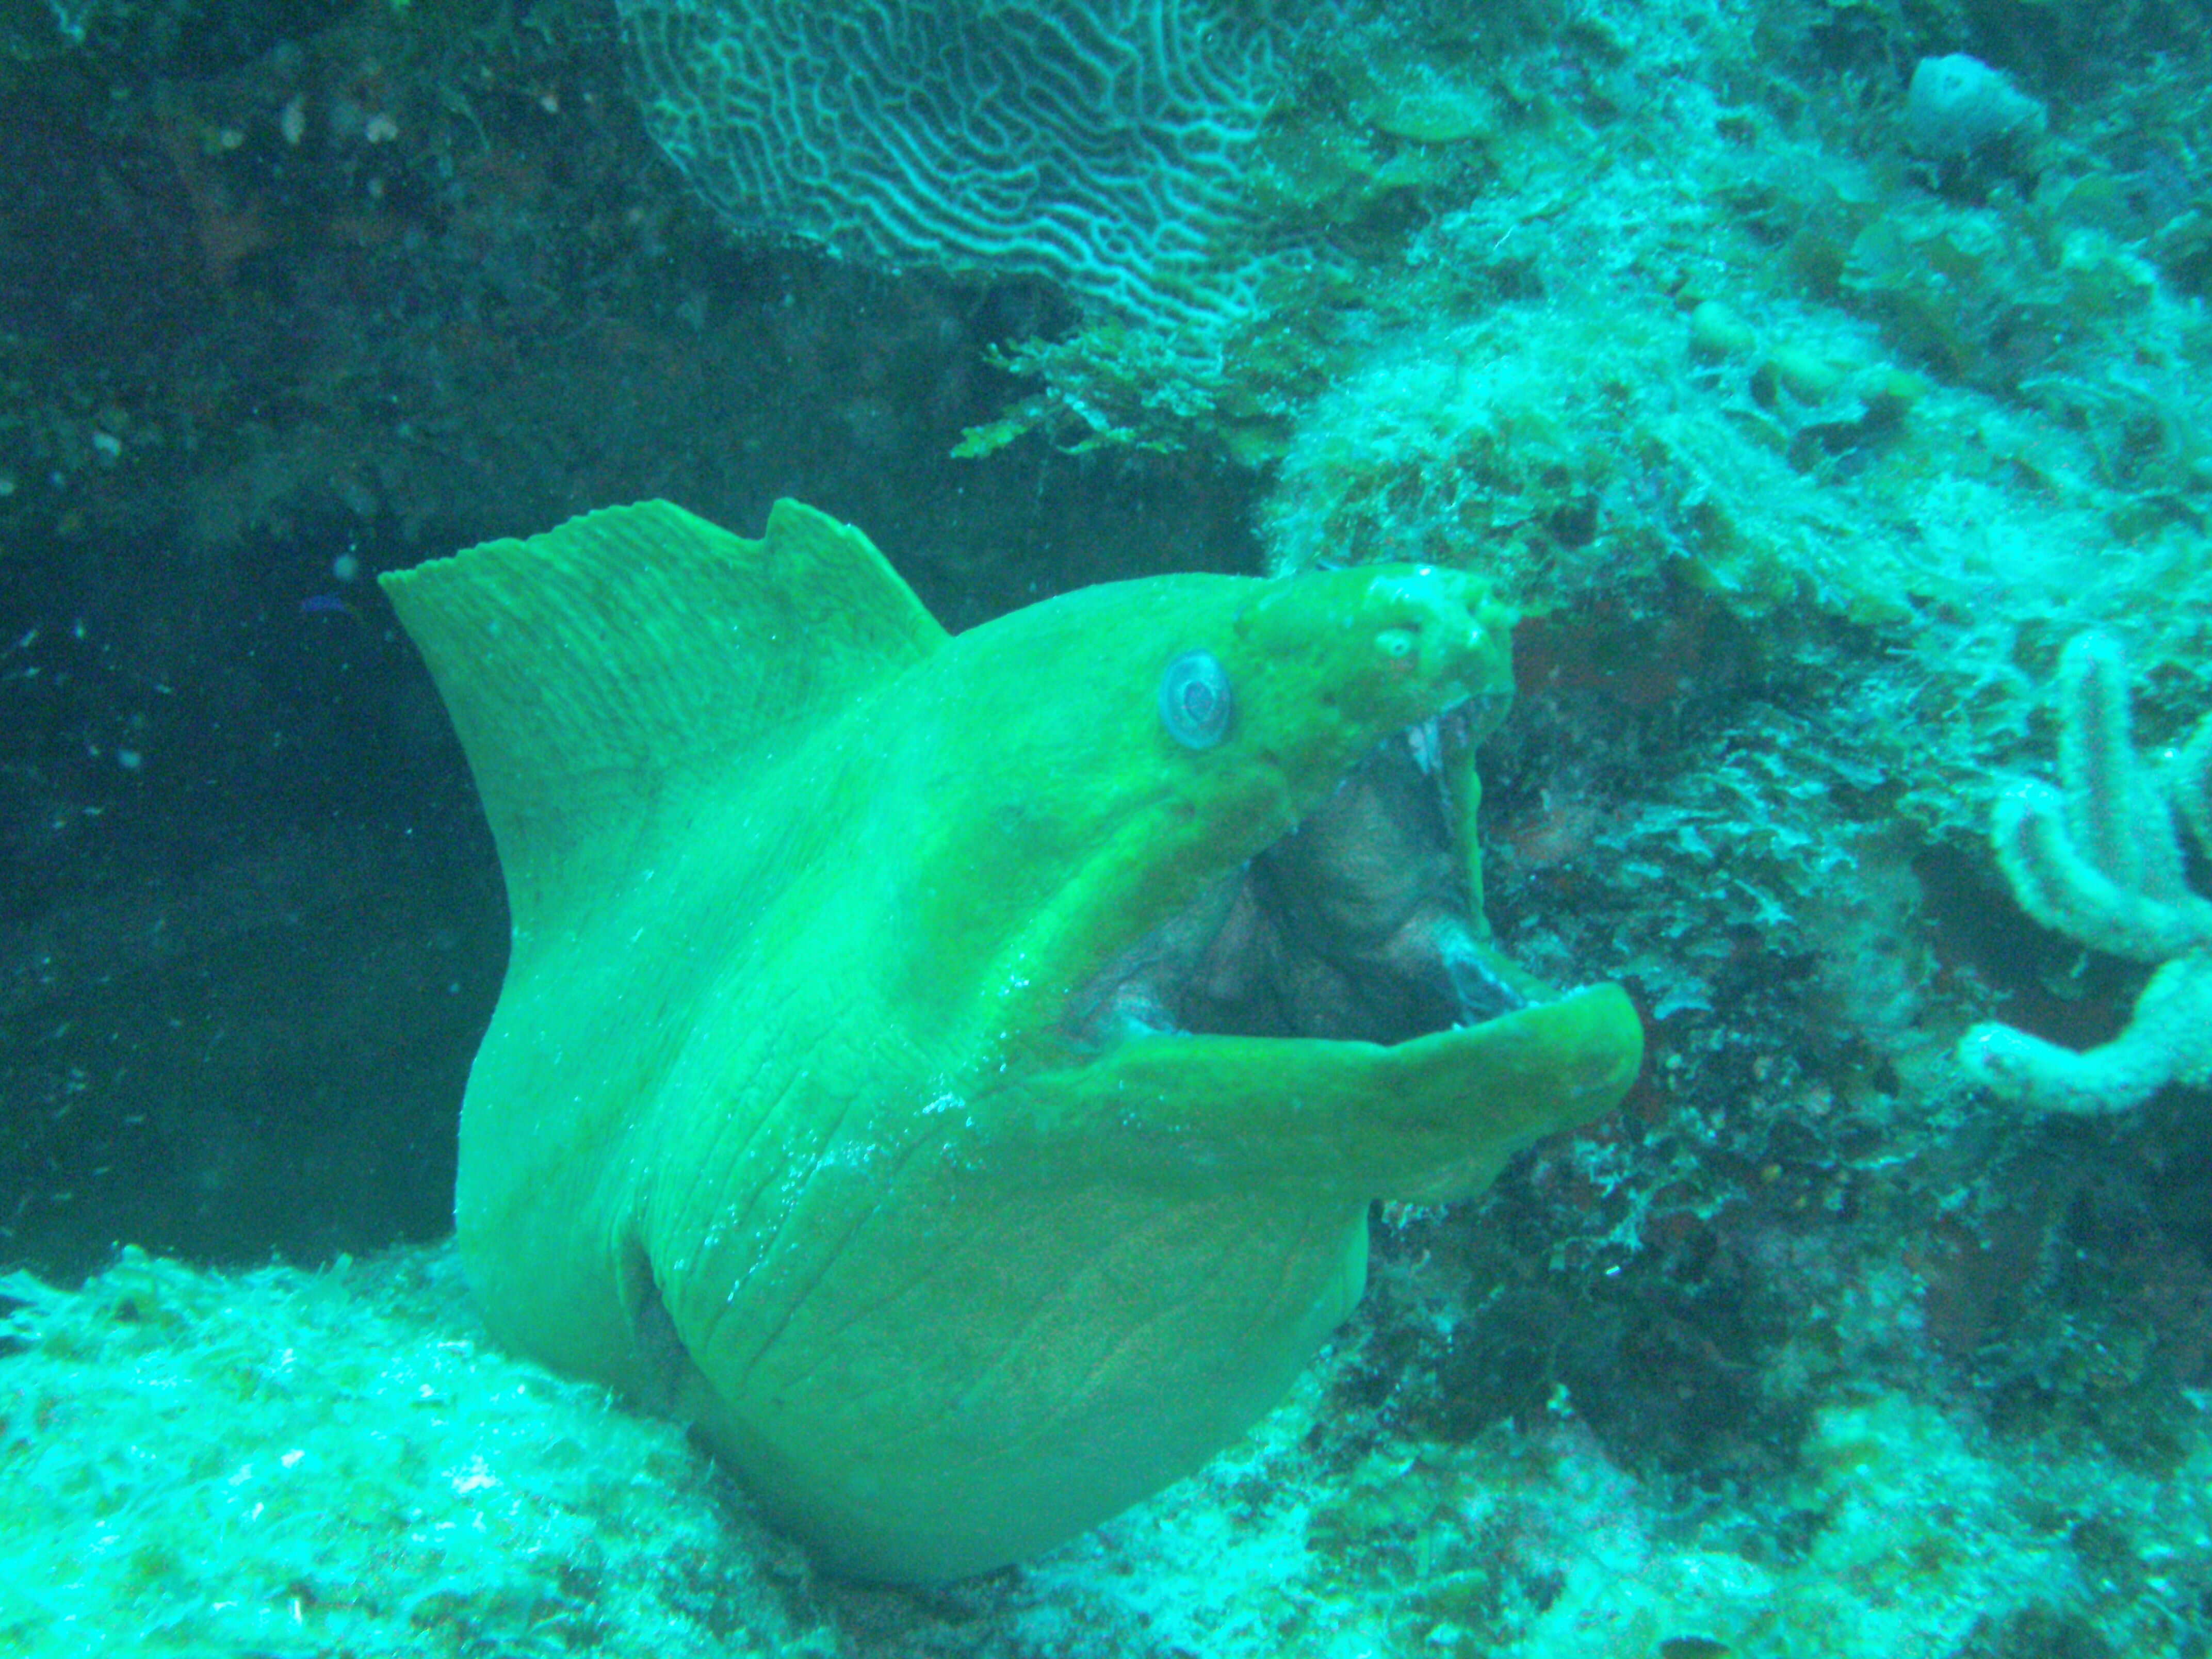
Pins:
x,y
1222,878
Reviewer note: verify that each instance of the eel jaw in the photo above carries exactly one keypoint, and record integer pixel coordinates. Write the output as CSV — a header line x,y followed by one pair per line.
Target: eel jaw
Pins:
x,y
1357,925
1326,1017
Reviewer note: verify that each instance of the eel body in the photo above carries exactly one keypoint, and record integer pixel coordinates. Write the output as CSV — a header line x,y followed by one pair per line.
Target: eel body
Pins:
x,y
952,1072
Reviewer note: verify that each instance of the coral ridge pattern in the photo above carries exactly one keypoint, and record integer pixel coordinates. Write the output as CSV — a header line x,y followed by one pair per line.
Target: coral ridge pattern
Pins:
x,y
1098,142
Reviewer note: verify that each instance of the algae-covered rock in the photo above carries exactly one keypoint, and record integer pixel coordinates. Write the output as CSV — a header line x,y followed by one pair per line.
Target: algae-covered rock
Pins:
x,y
1959,109
1572,453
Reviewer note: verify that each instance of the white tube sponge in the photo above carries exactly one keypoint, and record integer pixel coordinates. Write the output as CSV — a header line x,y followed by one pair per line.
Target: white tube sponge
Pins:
x,y
2099,858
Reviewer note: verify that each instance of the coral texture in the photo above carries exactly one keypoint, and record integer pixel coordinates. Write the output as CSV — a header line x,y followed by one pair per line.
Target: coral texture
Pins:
x,y
1098,142
2099,858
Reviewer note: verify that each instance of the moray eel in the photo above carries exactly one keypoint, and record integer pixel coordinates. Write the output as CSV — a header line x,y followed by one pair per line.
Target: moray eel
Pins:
x,y
951,1073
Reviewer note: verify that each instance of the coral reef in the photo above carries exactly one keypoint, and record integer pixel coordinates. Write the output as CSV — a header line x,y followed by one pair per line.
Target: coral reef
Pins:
x,y
338,1462
326,1462
2100,859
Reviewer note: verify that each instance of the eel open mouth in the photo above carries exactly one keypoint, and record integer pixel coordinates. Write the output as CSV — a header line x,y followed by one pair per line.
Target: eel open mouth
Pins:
x,y
1357,925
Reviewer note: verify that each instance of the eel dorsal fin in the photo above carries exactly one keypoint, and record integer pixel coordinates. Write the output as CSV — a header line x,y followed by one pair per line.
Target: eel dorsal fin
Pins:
x,y
596,671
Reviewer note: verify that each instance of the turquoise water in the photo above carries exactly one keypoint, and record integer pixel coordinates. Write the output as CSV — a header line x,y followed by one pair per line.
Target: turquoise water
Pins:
x,y
1811,379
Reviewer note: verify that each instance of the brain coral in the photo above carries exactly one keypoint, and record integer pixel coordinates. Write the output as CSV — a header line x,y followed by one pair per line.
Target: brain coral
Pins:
x,y
1098,143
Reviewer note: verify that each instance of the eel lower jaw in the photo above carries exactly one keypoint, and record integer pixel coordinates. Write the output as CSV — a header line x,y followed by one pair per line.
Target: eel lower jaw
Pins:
x,y
1429,1119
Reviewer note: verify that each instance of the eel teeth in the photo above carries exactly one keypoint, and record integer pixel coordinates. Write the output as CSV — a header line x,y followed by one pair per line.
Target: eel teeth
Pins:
x,y
1426,741
1481,993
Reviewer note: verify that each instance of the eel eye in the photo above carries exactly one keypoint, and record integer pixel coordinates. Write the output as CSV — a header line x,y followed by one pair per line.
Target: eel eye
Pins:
x,y
1194,700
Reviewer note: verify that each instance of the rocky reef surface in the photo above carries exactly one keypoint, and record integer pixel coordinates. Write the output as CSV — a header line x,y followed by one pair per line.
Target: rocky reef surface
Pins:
x,y
1812,376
